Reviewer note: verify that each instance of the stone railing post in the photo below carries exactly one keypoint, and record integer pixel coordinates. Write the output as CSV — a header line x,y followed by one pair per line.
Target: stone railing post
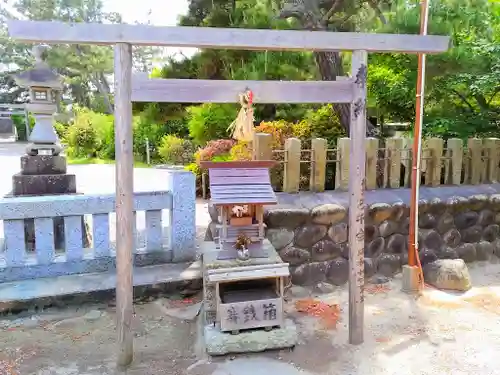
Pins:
x,y
491,146
394,147
291,177
371,163
407,159
342,173
318,164
435,145
456,155
181,184
476,165
262,149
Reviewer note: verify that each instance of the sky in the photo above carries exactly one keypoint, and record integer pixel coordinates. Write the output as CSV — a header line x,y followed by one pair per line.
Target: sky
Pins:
x,y
137,10
164,13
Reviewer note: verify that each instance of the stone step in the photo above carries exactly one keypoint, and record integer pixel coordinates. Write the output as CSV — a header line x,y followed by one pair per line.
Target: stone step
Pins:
x,y
15,294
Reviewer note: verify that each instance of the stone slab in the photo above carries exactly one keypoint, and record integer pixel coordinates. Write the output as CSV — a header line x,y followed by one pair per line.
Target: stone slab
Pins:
x,y
43,165
43,184
257,365
32,289
60,266
218,343
210,257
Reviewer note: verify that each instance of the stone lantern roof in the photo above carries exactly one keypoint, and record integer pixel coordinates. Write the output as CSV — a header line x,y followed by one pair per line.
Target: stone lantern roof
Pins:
x,y
41,75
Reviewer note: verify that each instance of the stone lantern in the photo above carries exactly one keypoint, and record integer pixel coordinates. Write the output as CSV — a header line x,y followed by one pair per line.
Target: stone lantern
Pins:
x,y
43,170
43,84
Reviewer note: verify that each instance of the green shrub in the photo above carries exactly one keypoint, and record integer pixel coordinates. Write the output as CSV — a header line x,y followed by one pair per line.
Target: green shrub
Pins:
x,y
82,140
174,150
20,124
197,171
224,157
146,133
324,123
90,135
210,121
176,127
195,168
60,130
106,136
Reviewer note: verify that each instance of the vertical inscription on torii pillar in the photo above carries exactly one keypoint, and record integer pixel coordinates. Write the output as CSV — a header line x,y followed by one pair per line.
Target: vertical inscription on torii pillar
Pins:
x,y
356,197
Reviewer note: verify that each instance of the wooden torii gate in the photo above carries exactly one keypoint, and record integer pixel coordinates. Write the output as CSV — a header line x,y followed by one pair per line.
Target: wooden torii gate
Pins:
x,y
143,89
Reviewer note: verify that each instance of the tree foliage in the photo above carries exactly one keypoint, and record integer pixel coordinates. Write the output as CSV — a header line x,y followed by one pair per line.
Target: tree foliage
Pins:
x,y
86,68
462,85
462,93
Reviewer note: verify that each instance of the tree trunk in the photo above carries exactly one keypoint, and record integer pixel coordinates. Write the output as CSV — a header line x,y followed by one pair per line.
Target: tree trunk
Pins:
x,y
102,86
330,67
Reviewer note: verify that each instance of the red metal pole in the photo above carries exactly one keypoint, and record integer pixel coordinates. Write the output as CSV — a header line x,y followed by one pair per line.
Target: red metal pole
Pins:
x,y
413,259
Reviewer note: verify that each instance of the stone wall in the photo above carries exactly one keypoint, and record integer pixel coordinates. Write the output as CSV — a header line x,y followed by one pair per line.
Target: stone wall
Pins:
x,y
310,230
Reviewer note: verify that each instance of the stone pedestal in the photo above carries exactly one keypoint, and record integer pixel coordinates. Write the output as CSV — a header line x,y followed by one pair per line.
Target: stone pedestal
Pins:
x,y
243,303
45,175
43,164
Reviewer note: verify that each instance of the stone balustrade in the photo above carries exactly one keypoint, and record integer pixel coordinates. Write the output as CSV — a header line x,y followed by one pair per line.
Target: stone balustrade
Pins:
x,y
168,234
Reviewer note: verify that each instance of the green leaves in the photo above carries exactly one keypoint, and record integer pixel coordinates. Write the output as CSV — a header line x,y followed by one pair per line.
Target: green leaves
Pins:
x,y
462,86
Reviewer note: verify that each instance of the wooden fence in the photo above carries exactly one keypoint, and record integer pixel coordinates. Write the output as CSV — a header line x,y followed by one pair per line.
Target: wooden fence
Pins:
x,y
388,162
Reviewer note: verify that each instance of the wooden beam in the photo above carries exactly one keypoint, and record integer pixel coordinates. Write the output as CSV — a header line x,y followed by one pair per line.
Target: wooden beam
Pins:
x,y
212,37
124,202
357,183
211,91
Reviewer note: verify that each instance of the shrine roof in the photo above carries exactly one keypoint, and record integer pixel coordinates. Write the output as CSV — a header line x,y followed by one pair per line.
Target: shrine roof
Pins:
x,y
240,182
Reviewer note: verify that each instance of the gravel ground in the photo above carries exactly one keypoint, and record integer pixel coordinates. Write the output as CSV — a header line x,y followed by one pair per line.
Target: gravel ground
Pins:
x,y
438,333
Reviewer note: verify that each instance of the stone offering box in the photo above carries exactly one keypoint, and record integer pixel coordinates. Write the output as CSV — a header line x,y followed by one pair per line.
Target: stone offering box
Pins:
x,y
245,294
243,303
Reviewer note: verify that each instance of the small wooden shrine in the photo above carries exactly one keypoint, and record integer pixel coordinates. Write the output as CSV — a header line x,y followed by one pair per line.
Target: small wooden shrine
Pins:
x,y
240,189
243,275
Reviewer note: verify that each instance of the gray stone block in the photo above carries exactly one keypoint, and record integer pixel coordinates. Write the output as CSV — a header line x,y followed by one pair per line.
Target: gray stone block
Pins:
x,y
60,266
448,274
43,184
219,343
6,126
43,165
